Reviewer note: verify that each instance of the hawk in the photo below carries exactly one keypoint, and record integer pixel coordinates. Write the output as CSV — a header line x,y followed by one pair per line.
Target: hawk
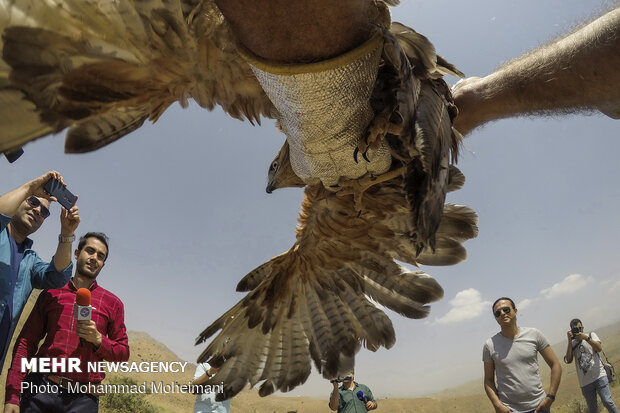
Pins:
x,y
101,69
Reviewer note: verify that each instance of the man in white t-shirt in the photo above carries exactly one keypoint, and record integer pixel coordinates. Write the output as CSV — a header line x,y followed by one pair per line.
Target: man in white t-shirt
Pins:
x,y
592,377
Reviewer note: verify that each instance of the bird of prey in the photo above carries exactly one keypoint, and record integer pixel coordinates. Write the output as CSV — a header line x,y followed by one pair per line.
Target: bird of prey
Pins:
x,y
100,69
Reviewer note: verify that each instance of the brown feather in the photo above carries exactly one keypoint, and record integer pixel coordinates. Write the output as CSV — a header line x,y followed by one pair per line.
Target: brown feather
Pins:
x,y
312,303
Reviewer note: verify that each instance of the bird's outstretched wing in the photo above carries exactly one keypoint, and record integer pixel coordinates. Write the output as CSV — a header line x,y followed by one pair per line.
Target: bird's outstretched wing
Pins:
x,y
101,68
313,302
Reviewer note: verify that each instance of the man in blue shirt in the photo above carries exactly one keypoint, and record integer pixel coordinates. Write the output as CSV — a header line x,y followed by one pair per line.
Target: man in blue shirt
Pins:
x,y
22,212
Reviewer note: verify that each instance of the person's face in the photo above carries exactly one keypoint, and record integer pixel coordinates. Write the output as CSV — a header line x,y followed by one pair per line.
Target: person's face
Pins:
x,y
91,258
503,312
30,214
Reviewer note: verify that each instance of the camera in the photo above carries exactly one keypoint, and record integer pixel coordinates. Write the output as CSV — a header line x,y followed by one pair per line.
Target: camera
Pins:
x,y
340,380
575,331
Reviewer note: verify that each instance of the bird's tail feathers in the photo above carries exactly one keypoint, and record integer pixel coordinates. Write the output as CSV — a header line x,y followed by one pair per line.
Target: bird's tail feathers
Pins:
x,y
300,311
458,224
393,286
456,179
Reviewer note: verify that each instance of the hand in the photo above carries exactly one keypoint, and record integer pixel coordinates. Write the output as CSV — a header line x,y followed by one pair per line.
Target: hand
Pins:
x,y
36,185
11,408
544,406
467,99
69,220
87,329
335,383
569,334
580,336
370,405
502,409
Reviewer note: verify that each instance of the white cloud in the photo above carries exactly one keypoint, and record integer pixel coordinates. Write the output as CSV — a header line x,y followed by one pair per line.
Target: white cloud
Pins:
x,y
466,305
524,303
569,285
611,285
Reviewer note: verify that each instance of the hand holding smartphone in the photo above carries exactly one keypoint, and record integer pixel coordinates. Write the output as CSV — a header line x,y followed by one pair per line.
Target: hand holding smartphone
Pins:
x,y
56,189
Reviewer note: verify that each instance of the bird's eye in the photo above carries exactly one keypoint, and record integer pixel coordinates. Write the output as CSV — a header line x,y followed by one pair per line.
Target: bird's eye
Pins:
x,y
274,165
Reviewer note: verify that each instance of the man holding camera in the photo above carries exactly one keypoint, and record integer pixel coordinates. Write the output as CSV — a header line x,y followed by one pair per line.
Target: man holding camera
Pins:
x,y
592,377
22,212
351,397
511,356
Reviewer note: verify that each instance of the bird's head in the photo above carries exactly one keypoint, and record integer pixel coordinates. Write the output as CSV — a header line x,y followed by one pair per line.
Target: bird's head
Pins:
x,y
281,174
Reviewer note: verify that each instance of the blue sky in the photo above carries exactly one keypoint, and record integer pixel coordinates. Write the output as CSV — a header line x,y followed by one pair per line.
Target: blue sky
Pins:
x,y
185,206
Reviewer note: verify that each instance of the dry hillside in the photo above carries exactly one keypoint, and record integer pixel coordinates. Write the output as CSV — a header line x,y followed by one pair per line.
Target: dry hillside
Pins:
x,y
466,398
463,399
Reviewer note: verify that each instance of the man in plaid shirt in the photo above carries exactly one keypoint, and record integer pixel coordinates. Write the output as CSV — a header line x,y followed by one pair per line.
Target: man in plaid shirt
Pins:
x,y
103,338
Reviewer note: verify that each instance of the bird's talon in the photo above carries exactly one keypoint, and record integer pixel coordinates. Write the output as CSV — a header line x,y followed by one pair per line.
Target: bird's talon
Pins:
x,y
365,157
355,154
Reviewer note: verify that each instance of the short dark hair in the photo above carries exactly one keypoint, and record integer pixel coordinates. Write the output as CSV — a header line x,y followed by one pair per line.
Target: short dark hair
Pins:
x,y
575,321
100,236
504,298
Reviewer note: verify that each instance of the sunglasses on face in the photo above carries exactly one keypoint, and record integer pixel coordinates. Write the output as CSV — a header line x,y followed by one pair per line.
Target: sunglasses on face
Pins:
x,y
497,312
34,202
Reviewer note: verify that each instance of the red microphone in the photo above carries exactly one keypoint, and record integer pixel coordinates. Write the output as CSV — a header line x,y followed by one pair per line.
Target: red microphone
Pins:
x,y
82,310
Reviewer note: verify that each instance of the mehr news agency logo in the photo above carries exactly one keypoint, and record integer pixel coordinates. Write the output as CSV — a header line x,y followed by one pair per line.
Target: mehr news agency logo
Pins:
x,y
72,365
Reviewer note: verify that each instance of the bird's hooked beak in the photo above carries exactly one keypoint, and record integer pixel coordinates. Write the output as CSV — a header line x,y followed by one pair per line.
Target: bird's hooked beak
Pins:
x,y
270,188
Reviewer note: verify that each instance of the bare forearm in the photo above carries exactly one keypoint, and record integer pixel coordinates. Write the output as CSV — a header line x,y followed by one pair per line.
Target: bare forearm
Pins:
x,y
294,31
334,399
201,380
574,73
578,71
205,377
10,201
596,346
556,375
62,258
568,357
491,391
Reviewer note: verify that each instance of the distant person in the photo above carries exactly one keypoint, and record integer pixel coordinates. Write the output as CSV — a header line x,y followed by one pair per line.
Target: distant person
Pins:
x,y
22,212
351,396
592,377
103,338
205,402
511,358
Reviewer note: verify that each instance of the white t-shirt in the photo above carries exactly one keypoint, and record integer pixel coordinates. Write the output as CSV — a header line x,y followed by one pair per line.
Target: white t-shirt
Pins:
x,y
587,361
206,403
516,368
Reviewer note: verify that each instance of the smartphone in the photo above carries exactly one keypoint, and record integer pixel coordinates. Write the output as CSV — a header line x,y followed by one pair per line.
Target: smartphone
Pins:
x,y
62,194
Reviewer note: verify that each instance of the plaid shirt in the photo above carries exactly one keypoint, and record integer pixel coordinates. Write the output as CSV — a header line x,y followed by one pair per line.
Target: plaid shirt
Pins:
x,y
52,318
